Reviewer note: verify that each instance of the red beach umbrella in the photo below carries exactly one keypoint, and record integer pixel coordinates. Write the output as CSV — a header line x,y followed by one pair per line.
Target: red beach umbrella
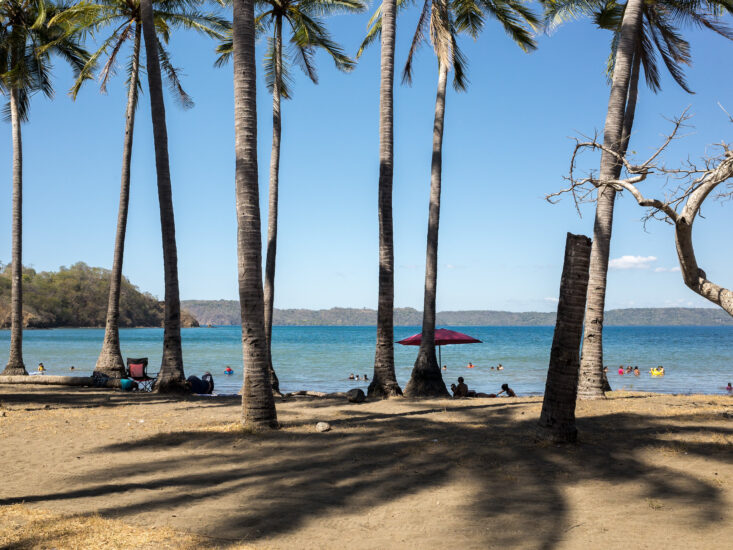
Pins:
x,y
443,337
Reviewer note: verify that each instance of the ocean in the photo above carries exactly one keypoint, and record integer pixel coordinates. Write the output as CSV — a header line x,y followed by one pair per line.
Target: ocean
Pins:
x,y
696,359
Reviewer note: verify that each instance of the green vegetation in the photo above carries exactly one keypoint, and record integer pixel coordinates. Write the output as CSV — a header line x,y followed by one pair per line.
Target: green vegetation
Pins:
x,y
77,297
226,312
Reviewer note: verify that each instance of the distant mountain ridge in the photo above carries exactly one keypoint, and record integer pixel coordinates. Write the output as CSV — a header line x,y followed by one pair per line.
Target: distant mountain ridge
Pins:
x,y
226,312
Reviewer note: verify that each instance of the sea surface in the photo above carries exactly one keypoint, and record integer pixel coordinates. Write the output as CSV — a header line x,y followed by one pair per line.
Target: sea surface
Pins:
x,y
696,359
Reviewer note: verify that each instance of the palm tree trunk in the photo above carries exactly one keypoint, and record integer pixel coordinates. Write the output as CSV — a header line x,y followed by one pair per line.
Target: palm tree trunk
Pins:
x,y
384,381
426,379
110,361
630,110
258,403
272,215
15,364
557,420
591,364
171,377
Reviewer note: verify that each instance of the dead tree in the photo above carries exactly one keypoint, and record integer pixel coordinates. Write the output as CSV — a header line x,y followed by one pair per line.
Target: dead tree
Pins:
x,y
692,185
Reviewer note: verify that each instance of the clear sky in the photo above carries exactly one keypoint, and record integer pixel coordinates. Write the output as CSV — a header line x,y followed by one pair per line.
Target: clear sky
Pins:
x,y
507,144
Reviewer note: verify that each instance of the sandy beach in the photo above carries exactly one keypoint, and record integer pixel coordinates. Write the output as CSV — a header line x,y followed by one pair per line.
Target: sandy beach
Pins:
x,y
89,468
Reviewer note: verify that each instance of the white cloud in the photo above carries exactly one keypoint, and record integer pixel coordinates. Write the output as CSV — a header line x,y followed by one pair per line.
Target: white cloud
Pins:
x,y
667,269
632,262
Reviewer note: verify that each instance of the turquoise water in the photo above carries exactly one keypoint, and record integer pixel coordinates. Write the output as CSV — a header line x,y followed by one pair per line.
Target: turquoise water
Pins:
x,y
697,359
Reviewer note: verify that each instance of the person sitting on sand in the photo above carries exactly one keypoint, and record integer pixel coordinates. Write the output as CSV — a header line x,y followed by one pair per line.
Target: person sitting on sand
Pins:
x,y
506,389
205,384
637,372
461,390
351,376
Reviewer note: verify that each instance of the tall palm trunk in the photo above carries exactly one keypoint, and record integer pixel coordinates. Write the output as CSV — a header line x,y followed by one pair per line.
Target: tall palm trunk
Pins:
x,y
591,365
15,362
171,377
110,360
272,215
258,403
426,379
384,381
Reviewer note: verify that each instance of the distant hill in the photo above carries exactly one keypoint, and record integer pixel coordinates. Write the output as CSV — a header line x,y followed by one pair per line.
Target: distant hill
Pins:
x,y
226,312
77,297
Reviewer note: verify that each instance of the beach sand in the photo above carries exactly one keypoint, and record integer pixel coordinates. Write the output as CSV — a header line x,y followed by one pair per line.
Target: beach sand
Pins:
x,y
87,468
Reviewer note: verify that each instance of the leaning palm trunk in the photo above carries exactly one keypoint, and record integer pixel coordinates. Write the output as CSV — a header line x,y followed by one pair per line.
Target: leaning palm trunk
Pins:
x,y
384,381
426,379
557,420
15,364
591,364
110,360
272,215
258,403
171,377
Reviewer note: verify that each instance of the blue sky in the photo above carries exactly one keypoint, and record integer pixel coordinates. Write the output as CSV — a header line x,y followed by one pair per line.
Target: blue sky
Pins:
x,y
507,144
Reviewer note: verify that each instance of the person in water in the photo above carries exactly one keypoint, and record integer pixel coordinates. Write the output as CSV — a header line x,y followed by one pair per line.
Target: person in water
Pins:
x,y
470,365
41,368
729,387
506,389
621,370
351,376
71,367
366,378
445,367
205,384
228,370
500,367
637,372
357,377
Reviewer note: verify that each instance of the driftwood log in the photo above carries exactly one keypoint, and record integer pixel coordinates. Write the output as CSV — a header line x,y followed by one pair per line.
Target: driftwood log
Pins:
x,y
46,380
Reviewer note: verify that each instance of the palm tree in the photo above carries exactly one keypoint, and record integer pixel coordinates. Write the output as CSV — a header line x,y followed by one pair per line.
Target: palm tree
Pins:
x,y
26,45
443,20
124,16
308,33
258,402
170,377
383,24
652,27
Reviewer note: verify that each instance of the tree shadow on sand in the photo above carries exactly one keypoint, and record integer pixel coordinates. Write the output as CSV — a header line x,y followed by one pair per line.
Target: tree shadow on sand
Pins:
x,y
267,485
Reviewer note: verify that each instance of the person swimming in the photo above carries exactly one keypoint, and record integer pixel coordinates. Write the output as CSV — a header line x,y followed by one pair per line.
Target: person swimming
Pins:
x,y
621,370
470,365
637,372
228,370
366,378
500,367
357,377
445,367
351,376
